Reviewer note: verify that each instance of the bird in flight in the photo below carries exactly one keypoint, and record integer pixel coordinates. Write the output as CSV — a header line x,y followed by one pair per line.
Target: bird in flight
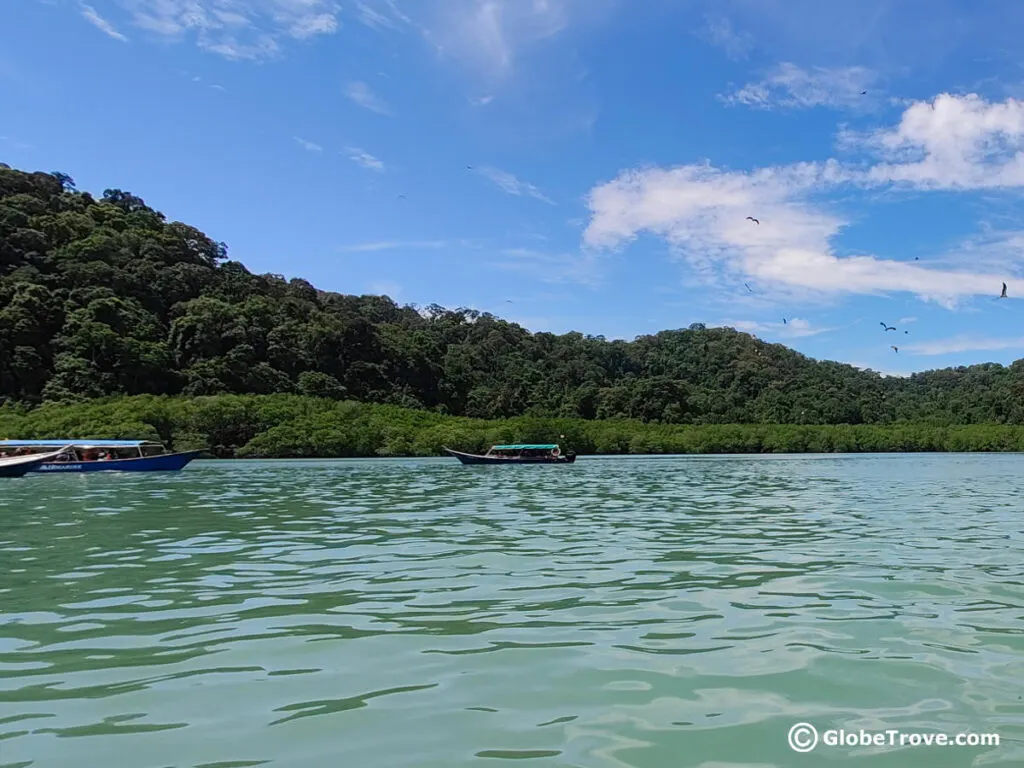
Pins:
x,y
895,349
1003,294
751,218
906,331
509,301
469,167
784,321
887,327
402,197
863,93
748,287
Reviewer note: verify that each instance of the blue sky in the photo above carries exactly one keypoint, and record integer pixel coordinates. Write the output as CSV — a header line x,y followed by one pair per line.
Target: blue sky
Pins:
x,y
569,164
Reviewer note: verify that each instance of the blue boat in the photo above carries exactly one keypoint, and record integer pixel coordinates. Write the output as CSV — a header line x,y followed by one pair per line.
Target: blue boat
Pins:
x,y
100,455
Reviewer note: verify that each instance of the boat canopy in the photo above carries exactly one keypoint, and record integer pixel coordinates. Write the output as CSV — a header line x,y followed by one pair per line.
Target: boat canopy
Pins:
x,y
75,443
525,447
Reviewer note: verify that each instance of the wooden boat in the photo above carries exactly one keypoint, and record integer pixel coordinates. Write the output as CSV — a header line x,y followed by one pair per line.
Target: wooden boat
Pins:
x,y
18,466
99,455
525,453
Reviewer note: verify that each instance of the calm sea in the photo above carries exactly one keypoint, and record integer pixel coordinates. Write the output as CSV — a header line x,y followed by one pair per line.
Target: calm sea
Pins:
x,y
644,612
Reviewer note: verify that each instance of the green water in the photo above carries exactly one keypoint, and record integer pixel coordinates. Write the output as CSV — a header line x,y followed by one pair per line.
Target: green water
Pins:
x,y
642,612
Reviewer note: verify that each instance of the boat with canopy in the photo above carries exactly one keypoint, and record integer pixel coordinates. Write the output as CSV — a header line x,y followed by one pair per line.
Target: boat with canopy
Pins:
x,y
97,455
518,453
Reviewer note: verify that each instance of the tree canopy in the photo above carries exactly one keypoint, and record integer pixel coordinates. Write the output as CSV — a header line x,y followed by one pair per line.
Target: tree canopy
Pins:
x,y
105,297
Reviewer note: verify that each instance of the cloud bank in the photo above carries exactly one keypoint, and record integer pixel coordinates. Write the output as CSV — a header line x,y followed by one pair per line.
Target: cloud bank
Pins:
x,y
235,29
951,142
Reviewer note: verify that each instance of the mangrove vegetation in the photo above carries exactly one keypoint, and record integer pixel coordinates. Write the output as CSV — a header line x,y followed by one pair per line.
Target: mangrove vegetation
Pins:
x,y
295,426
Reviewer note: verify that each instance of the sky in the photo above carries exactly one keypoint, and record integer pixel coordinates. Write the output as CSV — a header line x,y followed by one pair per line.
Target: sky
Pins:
x,y
582,165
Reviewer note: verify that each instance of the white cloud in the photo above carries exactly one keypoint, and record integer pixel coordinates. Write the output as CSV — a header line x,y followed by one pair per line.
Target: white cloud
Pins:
x,y
488,34
953,142
906,320
509,183
701,211
235,29
720,32
101,24
794,327
481,101
309,26
790,86
361,94
364,158
385,14
963,343
390,245
309,146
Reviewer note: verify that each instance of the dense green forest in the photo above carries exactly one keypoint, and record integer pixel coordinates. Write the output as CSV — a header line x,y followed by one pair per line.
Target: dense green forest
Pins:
x,y
276,426
104,297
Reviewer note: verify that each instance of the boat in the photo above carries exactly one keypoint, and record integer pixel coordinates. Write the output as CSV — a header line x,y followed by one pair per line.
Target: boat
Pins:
x,y
18,466
520,453
99,455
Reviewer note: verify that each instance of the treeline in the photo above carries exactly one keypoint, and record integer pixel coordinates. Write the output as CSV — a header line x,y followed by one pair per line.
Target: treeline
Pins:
x,y
103,296
290,426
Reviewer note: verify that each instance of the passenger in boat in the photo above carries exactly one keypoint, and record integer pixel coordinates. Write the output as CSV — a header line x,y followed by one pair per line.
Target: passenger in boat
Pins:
x,y
554,452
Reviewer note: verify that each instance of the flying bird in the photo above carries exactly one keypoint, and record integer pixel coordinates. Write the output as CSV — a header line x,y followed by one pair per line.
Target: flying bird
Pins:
x,y
906,331
748,287
863,93
1003,294
895,349
751,218
887,327
917,258
469,167
784,321
402,197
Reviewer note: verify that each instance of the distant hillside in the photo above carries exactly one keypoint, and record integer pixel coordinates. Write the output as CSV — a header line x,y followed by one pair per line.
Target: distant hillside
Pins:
x,y
103,297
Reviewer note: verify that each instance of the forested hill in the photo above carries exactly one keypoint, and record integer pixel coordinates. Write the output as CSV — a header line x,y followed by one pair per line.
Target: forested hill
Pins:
x,y
104,296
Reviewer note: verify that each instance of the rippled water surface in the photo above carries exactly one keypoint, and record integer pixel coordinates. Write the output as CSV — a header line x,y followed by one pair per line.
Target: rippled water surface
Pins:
x,y
642,612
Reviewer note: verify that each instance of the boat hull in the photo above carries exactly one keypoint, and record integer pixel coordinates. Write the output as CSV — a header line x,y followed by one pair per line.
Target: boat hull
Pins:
x,y
168,462
19,466
472,458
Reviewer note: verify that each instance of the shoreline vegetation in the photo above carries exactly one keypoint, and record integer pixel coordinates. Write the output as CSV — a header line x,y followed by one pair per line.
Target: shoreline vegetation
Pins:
x,y
295,426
